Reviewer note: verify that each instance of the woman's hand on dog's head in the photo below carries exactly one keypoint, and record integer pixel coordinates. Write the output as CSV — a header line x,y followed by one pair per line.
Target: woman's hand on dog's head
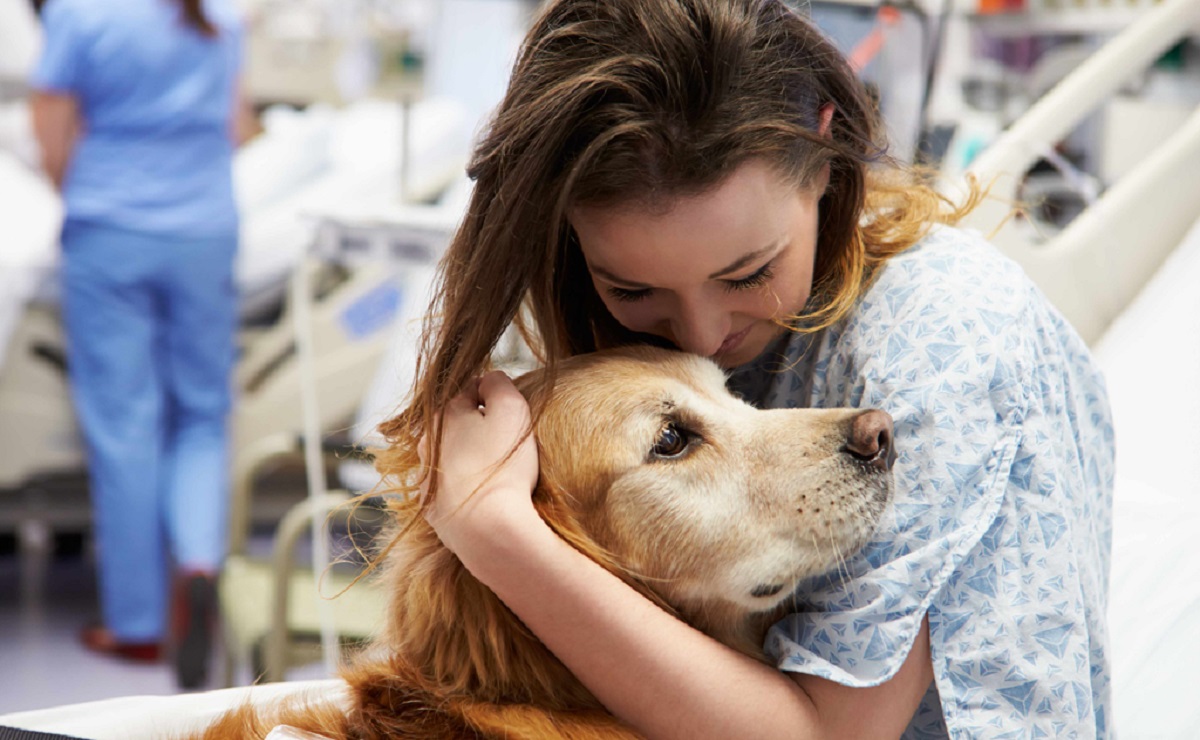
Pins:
x,y
489,462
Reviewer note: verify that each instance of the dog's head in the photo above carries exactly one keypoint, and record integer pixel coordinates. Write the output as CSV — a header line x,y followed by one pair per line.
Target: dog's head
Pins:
x,y
713,504
713,508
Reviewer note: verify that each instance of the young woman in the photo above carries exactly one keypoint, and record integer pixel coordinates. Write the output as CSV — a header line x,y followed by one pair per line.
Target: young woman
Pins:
x,y
135,114
709,175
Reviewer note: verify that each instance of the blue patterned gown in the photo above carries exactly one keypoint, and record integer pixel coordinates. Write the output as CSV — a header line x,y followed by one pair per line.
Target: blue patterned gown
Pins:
x,y
1002,523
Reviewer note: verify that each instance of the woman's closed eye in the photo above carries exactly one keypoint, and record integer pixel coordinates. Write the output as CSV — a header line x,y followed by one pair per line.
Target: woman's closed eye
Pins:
x,y
759,277
627,294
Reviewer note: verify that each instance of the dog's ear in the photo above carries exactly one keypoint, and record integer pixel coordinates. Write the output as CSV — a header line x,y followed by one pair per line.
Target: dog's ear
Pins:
x,y
536,386
558,500
556,505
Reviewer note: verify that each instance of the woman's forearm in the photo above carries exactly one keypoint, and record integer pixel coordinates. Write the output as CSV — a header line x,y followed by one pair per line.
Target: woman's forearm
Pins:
x,y
244,124
56,126
652,670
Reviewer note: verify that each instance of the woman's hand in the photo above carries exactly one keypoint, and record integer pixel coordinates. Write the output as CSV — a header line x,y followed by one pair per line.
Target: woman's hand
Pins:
x,y
477,486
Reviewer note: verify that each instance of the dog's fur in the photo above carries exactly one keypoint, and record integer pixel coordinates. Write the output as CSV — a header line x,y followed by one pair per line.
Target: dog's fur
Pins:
x,y
720,534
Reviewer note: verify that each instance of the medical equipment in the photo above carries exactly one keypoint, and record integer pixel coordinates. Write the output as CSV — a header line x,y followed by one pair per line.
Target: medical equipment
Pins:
x,y
894,47
1094,267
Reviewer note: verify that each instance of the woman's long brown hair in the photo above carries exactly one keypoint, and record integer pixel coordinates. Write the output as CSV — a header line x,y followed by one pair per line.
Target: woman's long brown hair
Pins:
x,y
194,16
641,101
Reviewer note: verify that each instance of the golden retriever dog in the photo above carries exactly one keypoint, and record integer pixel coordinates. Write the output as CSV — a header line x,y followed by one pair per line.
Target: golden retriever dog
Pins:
x,y
712,508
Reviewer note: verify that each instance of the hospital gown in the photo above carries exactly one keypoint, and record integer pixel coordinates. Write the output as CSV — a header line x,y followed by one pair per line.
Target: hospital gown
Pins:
x,y
1001,525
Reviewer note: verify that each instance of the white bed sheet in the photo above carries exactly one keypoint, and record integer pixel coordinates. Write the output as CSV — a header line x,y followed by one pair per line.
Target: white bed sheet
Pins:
x,y
157,717
32,217
322,160
1151,358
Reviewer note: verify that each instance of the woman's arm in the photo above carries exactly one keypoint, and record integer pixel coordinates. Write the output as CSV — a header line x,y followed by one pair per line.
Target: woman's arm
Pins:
x,y
244,124
652,670
56,126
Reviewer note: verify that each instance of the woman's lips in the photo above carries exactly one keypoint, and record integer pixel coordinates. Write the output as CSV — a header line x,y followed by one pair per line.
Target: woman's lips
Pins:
x,y
733,340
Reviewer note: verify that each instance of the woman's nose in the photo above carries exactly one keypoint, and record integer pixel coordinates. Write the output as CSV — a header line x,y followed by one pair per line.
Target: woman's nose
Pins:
x,y
699,330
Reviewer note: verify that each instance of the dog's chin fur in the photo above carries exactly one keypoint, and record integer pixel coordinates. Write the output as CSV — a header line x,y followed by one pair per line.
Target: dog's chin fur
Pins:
x,y
454,662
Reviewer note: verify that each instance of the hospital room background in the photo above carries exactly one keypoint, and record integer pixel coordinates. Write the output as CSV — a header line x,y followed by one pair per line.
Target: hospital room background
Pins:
x,y
364,111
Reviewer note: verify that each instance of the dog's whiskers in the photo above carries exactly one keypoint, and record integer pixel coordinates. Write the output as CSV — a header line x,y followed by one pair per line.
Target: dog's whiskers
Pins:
x,y
841,569
817,546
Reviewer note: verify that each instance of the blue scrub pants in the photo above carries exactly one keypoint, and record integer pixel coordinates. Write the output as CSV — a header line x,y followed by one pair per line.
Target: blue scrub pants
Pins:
x,y
150,324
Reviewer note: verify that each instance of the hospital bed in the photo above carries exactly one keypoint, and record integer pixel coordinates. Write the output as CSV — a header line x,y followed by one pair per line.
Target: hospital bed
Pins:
x,y
370,154
1094,268
309,164
348,315
1125,274
275,609
309,161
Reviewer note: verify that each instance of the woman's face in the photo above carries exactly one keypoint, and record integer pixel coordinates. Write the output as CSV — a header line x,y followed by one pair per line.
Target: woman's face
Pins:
x,y
711,272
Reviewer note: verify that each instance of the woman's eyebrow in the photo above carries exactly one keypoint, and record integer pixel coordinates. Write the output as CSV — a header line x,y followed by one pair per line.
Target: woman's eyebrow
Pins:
x,y
734,266
598,270
744,260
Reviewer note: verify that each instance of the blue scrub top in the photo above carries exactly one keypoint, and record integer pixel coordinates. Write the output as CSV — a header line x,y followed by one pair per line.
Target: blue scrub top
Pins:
x,y
156,98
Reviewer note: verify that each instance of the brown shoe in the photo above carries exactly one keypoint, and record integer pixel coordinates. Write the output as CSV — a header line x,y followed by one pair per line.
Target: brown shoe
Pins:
x,y
99,639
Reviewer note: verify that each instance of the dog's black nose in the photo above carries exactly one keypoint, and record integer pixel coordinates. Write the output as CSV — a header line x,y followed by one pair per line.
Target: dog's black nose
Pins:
x,y
870,439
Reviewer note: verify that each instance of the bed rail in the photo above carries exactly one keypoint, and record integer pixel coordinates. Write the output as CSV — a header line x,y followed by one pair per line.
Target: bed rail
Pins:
x,y
1093,268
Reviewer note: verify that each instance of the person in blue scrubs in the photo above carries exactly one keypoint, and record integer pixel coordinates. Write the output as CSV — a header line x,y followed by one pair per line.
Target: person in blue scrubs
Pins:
x,y
134,109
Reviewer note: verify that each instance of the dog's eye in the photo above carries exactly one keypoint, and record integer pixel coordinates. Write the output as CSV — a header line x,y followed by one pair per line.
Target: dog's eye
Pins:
x,y
672,441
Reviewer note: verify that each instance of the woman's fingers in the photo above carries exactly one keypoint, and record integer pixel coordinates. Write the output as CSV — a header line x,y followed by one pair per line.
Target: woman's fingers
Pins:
x,y
498,392
467,400
479,427
496,384
488,463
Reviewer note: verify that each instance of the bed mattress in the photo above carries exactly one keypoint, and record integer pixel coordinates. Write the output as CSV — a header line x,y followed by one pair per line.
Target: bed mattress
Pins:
x,y
1151,359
